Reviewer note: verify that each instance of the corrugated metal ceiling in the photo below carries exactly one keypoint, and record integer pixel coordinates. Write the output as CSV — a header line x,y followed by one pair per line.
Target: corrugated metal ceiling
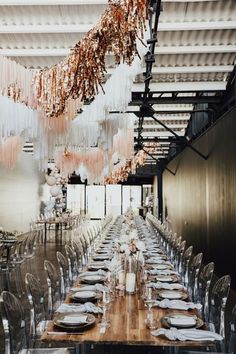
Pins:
x,y
196,40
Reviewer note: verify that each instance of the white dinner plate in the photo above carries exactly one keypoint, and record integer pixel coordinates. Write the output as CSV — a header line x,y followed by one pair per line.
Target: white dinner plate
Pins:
x,y
92,279
167,278
162,266
84,294
73,320
168,294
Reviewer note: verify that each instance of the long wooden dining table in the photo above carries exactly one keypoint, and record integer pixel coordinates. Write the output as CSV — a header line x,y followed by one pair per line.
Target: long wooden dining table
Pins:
x,y
127,316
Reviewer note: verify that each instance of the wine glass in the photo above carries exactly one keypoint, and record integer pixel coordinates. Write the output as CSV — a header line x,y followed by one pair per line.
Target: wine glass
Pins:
x,y
104,303
149,298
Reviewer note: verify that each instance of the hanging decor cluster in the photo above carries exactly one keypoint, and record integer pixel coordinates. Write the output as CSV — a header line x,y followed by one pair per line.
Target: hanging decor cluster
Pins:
x,y
50,98
121,173
82,72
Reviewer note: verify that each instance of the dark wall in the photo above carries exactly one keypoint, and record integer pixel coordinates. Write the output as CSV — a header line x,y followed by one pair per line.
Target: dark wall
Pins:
x,y
200,200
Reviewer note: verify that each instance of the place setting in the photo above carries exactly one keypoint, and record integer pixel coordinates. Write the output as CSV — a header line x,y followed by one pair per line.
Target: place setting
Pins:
x,y
101,257
84,296
180,320
96,265
165,278
74,322
93,277
172,295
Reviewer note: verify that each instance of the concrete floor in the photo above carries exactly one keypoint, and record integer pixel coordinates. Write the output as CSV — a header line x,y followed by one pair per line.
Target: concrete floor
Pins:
x,y
35,266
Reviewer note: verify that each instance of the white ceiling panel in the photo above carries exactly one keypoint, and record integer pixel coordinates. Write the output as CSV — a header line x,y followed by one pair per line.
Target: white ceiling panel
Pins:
x,y
196,46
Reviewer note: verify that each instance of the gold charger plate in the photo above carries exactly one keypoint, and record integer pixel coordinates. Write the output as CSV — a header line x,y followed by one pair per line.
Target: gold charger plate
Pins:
x,y
165,278
94,266
90,321
182,295
164,320
92,279
78,296
102,257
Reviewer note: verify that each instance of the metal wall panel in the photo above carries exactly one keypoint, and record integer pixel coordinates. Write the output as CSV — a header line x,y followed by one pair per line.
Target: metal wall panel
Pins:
x,y
200,199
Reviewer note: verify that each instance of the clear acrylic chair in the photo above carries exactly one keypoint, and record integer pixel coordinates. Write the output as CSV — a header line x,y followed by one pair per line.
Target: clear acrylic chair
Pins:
x,y
77,247
54,286
204,284
72,263
194,269
218,299
185,265
14,327
175,253
231,345
29,250
64,273
180,253
228,346
85,249
35,294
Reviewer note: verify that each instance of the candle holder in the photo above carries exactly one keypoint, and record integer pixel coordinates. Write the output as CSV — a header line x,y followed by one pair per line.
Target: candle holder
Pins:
x,y
131,275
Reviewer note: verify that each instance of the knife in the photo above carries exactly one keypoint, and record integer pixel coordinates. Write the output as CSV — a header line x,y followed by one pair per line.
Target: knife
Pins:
x,y
63,333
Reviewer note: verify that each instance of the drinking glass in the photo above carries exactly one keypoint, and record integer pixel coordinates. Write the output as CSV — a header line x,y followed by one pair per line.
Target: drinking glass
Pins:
x,y
104,303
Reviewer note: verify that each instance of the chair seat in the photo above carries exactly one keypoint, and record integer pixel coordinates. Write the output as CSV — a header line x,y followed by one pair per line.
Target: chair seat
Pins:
x,y
41,327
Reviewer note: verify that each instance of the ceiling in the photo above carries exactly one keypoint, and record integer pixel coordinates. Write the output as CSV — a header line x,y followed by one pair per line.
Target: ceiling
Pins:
x,y
195,50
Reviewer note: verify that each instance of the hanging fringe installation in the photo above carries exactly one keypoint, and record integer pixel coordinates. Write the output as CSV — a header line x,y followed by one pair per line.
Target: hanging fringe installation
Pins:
x,y
17,119
10,150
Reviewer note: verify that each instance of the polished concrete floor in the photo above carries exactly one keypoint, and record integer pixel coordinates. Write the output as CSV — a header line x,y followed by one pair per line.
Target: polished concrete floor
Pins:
x,y
34,265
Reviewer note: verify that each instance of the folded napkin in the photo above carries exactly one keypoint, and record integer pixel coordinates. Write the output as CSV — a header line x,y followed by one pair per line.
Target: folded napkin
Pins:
x,y
187,334
97,272
162,272
182,320
156,260
167,286
177,304
87,307
96,287
74,320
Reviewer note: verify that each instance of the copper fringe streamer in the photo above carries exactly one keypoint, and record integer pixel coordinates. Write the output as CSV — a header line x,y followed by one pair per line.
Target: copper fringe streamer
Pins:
x,y
82,72
69,161
10,150
121,173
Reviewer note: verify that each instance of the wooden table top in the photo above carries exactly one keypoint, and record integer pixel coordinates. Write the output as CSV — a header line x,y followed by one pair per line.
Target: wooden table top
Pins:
x,y
127,315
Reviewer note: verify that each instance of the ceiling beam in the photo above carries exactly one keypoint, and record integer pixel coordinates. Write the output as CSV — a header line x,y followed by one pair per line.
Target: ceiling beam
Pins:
x,y
171,100
185,49
161,140
83,28
57,52
161,134
169,114
51,2
193,69
156,126
70,2
162,117
197,25
182,86
70,28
